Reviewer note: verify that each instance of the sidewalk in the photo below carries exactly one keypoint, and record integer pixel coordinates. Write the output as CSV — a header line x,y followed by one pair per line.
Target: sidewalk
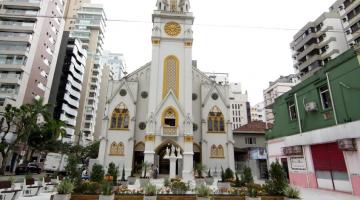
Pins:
x,y
315,194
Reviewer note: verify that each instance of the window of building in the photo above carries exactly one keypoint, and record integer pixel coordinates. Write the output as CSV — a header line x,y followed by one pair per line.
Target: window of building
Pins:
x,y
170,118
325,97
216,120
120,117
292,111
250,140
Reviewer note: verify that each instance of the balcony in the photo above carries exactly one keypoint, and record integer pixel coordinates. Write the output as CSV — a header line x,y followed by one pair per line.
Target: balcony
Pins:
x,y
77,66
17,26
315,46
10,78
67,120
352,21
19,14
14,50
351,6
72,91
74,83
71,101
75,74
23,4
8,93
308,62
307,38
69,110
170,131
15,37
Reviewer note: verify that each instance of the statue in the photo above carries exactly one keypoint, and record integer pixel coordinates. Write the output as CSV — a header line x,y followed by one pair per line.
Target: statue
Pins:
x,y
151,122
172,150
167,153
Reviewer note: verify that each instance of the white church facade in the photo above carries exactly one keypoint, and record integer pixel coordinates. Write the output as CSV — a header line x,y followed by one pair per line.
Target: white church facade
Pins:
x,y
168,103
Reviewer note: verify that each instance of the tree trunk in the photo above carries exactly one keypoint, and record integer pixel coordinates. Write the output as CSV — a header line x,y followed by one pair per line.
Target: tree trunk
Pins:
x,y
3,163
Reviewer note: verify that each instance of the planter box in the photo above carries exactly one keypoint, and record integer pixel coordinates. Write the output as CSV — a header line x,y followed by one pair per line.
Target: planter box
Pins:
x,y
84,197
149,197
271,198
209,180
176,197
129,197
223,185
202,198
62,196
252,198
199,181
131,180
143,182
107,197
286,198
228,197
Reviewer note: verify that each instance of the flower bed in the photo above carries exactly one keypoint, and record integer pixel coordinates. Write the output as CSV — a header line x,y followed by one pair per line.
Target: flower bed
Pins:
x,y
84,197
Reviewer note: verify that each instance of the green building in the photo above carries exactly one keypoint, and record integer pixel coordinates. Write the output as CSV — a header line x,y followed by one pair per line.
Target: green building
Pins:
x,y
316,133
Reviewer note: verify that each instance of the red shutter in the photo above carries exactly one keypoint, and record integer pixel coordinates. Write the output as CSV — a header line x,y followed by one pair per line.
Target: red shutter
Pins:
x,y
328,157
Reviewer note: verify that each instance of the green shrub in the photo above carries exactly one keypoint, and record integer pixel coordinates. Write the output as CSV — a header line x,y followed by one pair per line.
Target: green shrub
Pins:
x,y
203,191
150,190
106,188
253,189
73,172
88,187
246,176
237,182
166,182
65,187
123,174
209,174
229,174
97,174
178,187
222,175
292,193
199,168
277,180
113,171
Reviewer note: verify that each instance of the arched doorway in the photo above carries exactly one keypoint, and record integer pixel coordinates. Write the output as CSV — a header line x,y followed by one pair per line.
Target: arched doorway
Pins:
x,y
164,164
138,157
197,154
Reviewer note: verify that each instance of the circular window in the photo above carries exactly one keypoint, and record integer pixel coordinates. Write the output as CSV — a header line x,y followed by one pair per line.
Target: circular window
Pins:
x,y
123,92
142,125
214,96
144,95
195,127
194,96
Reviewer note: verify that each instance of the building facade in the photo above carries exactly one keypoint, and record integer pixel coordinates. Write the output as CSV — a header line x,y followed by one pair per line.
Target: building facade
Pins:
x,y
90,28
168,109
117,64
258,112
239,114
317,43
67,86
250,148
349,11
276,89
29,46
316,134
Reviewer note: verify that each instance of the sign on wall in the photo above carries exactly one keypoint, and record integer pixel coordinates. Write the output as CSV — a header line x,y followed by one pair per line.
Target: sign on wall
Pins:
x,y
298,163
258,154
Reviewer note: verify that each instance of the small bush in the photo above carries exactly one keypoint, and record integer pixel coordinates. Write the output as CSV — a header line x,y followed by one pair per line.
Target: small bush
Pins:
x,y
237,182
89,188
123,174
203,191
178,187
65,187
277,180
166,182
106,188
292,193
150,190
246,176
113,171
229,174
209,174
97,174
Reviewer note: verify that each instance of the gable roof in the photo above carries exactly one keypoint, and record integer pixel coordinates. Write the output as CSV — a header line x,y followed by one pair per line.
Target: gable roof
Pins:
x,y
258,127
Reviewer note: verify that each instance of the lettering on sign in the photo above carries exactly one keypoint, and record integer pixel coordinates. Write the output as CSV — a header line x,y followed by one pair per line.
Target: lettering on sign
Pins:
x,y
298,163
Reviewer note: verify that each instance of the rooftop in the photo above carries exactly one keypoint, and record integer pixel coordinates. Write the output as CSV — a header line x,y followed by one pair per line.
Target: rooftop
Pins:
x,y
254,127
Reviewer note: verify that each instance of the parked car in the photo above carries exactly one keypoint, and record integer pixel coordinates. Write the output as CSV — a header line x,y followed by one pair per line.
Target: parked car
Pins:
x,y
27,168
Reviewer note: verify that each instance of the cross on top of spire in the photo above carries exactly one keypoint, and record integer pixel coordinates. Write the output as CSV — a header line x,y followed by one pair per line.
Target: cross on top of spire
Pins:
x,y
173,5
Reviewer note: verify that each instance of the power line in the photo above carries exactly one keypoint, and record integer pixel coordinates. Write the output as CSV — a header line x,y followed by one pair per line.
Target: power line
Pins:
x,y
196,24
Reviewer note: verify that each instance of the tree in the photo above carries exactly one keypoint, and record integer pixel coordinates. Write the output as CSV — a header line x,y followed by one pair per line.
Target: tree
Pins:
x,y
97,174
277,180
72,170
21,122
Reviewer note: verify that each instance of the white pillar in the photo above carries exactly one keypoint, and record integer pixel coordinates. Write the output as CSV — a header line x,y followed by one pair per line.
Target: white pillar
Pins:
x,y
172,167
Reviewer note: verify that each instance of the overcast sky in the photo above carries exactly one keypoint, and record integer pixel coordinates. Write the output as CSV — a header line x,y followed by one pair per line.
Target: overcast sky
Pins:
x,y
250,39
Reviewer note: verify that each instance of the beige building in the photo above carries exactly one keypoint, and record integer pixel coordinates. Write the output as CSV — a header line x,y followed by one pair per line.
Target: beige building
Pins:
x,y
29,46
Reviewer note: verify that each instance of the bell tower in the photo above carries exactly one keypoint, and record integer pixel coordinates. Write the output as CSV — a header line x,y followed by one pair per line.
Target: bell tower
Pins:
x,y
171,77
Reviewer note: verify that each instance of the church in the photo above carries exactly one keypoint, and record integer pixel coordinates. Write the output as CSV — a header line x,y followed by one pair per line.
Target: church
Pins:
x,y
168,107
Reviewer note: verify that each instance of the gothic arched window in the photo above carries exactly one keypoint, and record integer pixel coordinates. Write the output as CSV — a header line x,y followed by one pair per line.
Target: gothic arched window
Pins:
x,y
171,75
170,118
217,151
173,5
220,151
117,149
213,151
120,117
216,120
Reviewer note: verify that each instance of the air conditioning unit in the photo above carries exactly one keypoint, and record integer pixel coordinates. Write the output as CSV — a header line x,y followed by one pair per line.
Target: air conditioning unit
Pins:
x,y
347,145
311,107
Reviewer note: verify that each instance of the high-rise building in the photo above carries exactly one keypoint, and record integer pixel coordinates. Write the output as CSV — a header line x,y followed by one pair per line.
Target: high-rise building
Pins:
x,y
238,106
116,63
276,89
349,11
258,112
29,44
90,28
316,43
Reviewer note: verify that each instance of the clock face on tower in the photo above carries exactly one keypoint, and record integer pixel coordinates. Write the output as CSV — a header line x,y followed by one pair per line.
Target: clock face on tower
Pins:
x,y
172,29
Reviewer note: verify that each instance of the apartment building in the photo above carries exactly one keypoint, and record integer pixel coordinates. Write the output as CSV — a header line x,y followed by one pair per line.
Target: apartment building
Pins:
x,y
349,11
90,28
29,44
239,114
67,86
116,63
258,112
277,88
317,43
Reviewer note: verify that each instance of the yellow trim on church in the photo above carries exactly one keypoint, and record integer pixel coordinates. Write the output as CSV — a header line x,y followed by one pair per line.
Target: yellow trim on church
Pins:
x,y
165,83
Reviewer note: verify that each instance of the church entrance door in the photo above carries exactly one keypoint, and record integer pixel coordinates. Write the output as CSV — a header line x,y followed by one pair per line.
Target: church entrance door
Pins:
x,y
164,164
